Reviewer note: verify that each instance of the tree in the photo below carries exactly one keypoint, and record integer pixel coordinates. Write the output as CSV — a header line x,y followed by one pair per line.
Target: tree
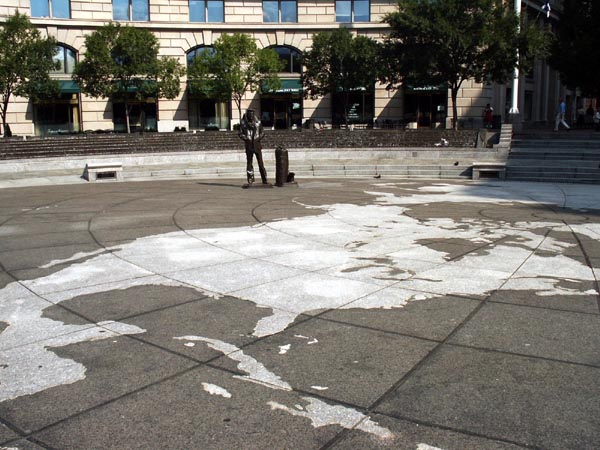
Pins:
x,y
339,62
122,62
448,42
232,67
576,48
26,58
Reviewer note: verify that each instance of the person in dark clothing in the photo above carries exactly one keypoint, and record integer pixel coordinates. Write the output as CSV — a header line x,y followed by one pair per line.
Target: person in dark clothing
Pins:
x,y
488,116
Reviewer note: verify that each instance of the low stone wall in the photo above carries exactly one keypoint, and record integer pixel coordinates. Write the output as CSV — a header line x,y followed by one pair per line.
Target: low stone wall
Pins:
x,y
233,161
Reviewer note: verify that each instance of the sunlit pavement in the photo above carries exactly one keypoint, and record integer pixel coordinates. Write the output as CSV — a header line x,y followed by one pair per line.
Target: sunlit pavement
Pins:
x,y
354,314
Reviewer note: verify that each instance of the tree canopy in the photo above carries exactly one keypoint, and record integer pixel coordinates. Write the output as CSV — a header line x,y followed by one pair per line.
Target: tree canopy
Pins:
x,y
233,66
122,63
339,62
576,47
448,42
26,58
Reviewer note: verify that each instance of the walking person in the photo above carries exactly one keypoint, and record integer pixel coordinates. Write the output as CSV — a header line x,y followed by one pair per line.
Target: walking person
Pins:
x,y
561,110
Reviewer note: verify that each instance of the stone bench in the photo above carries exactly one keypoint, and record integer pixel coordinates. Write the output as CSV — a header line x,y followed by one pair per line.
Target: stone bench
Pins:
x,y
104,171
489,170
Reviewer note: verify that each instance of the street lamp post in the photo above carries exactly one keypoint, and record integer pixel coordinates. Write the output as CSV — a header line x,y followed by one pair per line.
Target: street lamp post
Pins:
x,y
514,116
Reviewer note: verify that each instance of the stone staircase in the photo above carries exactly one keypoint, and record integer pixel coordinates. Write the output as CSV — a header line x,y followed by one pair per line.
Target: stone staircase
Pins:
x,y
561,157
106,144
327,153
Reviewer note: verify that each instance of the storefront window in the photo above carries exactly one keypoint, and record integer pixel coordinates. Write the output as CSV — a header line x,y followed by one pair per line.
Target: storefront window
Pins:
x,y
359,107
425,106
205,113
142,116
281,111
57,116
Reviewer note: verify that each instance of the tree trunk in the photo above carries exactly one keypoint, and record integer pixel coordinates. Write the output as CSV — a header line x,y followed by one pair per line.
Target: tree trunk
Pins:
x,y
127,115
238,103
4,125
454,94
3,114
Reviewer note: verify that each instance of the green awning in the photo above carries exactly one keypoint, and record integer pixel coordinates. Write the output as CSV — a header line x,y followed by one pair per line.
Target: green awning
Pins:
x,y
288,86
151,84
356,89
198,92
432,88
68,87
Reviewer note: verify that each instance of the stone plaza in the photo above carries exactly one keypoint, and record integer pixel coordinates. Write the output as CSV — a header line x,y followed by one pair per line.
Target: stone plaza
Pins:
x,y
337,314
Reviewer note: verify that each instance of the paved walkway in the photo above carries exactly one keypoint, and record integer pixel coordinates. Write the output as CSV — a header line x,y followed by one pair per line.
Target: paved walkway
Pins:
x,y
354,314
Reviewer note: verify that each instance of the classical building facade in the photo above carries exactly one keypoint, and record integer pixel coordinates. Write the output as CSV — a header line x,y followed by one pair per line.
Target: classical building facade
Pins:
x,y
186,27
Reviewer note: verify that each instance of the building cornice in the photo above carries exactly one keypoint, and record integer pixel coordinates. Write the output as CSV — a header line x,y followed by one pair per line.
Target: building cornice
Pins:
x,y
215,27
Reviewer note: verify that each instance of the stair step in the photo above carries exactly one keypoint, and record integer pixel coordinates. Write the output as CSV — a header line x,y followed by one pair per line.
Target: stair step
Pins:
x,y
555,157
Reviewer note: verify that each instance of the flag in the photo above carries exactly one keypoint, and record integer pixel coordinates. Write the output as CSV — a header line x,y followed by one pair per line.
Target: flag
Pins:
x,y
547,8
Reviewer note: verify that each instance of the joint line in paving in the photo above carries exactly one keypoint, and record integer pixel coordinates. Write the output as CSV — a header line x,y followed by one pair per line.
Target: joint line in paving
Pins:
x,y
112,400
588,261
431,354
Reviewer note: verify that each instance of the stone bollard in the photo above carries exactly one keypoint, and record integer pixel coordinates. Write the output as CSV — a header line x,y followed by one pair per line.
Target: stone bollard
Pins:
x,y
281,166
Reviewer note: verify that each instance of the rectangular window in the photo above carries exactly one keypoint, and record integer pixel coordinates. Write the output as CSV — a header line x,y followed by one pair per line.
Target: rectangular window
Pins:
x,y
121,9
140,10
207,11
197,11
361,10
60,9
270,11
280,11
215,11
131,10
289,11
352,10
40,8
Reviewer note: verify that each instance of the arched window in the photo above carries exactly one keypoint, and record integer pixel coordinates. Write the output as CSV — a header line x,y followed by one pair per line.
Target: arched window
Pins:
x,y
66,57
60,114
205,112
197,51
291,58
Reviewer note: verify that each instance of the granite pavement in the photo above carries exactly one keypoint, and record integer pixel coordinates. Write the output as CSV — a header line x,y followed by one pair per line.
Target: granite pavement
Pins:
x,y
352,314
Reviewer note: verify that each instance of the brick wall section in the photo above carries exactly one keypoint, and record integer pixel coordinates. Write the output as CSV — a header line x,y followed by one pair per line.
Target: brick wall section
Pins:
x,y
17,148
